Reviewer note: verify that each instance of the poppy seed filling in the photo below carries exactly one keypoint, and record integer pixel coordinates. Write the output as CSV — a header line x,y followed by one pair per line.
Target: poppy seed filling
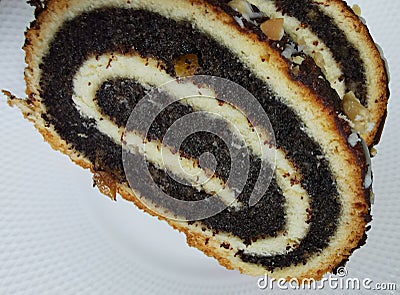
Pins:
x,y
119,31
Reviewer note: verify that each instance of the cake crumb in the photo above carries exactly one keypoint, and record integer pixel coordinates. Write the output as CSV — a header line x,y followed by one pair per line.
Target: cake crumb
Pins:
x,y
106,184
356,9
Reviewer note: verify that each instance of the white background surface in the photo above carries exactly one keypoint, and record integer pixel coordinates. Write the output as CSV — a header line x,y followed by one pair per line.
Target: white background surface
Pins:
x,y
58,235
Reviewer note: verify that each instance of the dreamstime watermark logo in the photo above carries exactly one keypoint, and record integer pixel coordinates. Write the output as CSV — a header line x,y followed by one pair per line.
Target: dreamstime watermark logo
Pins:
x,y
340,281
207,105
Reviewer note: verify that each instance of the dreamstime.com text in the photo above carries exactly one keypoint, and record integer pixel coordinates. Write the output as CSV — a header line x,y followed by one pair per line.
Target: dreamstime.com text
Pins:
x,y
340,281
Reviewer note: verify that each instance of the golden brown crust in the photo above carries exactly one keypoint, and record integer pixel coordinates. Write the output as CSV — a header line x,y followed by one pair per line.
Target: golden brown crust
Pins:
x,y
378,89
32,110
358,35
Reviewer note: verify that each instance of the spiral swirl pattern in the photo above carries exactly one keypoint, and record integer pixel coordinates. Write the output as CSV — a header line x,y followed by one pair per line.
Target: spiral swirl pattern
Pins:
x,y
254,166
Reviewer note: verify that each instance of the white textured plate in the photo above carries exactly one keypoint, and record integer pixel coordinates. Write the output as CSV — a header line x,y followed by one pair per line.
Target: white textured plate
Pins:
x,y
58,235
